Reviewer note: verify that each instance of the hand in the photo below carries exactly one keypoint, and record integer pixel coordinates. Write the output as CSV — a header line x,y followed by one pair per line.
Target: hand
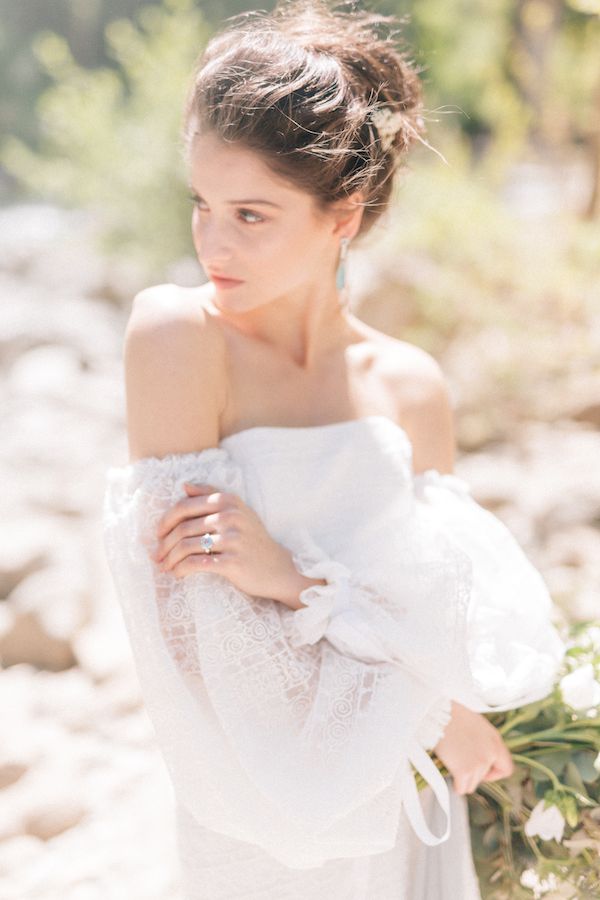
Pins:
x,y
243,550
473,750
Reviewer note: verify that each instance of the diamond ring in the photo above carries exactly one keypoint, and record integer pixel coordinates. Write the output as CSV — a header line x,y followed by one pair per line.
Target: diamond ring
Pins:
x,y
206,542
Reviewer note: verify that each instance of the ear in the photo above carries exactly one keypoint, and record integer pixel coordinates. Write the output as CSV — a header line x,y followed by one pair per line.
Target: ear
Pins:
x,y
347,215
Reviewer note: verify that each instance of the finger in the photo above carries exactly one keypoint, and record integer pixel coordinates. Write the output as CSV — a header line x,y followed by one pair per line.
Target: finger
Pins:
x,y
460,784
458,787
187,528
494,774
467,786
215,495
198,488
499,771
502,766
190,546
202,562
469,781
183,509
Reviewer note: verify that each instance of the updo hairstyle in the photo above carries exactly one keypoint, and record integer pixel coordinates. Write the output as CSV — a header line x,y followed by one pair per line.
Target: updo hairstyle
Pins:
x,y
306,86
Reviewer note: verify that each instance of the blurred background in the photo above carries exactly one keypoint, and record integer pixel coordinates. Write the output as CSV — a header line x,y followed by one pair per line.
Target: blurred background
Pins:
x,y
489,259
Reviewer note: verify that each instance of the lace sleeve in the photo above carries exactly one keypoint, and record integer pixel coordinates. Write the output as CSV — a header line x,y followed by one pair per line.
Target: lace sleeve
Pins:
x,y
301,749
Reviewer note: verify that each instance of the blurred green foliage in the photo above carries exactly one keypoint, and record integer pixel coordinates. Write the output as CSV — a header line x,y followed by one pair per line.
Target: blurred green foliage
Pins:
x,y
508,75
110,136
464,48
508,301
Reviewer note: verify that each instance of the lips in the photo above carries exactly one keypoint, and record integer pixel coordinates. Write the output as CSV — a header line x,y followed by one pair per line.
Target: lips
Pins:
x,y
222,279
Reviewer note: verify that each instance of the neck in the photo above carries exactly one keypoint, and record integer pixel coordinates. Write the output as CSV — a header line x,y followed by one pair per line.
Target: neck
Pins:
x,y
303,326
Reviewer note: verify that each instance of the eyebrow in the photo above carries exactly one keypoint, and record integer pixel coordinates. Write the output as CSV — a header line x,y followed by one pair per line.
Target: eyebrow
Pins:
x,y
254,201
261,202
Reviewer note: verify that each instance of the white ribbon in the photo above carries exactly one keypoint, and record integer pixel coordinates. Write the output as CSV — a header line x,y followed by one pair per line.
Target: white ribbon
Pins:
x,y
412,805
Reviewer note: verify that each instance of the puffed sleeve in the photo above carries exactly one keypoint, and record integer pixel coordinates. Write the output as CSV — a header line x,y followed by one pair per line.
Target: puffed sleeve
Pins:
x,y
463,606
299,748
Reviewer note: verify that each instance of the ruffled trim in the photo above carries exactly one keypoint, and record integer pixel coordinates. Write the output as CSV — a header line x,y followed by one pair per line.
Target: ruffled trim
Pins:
x,y
321,602
150,472
432,728
345,610
434,478
151,483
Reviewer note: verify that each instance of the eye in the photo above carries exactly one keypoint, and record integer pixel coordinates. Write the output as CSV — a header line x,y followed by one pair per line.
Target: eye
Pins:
x,y
199,203
195,199
250,213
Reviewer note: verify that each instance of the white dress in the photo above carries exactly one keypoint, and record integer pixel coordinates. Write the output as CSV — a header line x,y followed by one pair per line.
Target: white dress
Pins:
x,y
289,734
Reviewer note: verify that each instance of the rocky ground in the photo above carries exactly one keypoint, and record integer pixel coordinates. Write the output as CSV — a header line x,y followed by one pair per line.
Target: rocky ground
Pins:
x,y
85,803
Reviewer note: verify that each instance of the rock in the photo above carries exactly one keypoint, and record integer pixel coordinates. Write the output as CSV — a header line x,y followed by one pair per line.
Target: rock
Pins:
x,y
46,371
48,821
60,596
589,413
100,650
24,549
28,641
10,772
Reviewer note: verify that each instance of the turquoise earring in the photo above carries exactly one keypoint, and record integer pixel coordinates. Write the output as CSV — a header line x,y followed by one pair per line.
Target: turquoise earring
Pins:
x,y
340,278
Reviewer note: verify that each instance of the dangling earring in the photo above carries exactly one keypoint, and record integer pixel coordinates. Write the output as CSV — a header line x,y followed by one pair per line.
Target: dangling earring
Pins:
x,y
340,278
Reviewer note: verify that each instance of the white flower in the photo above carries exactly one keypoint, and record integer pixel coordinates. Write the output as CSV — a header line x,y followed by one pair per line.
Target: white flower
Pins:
x,y
387,124
579,689
548,823
530,879
592,636
540,886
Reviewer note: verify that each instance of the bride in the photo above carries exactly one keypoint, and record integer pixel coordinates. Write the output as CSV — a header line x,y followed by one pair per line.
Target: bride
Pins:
x,y
313,599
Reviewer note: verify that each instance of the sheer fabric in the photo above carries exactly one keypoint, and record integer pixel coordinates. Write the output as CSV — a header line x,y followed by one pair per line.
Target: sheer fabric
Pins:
x,y
295,731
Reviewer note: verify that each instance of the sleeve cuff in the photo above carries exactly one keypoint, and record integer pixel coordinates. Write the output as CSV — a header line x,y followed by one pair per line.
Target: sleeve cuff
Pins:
x,y
434,478
345,611
309,624
432,728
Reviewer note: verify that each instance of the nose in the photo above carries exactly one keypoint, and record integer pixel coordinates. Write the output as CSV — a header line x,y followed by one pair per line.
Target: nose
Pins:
x,y
212,245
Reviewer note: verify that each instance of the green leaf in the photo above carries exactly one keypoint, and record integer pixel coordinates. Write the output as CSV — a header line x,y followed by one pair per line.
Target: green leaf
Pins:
x,y
573,779
576,651
584,760
491,837
555,760
538,776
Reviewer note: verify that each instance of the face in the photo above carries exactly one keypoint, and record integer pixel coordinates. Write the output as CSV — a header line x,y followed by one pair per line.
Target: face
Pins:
x,y
252,225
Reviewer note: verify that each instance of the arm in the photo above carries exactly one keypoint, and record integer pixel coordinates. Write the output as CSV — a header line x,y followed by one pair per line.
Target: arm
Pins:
x,y
176,383
175,375
470,747
239,711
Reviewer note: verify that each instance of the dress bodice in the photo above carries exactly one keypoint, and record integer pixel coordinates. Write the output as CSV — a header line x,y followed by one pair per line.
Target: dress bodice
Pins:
x,y
347,482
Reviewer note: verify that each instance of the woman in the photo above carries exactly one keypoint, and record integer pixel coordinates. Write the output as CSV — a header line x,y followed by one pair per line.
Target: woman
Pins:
x,y
313,599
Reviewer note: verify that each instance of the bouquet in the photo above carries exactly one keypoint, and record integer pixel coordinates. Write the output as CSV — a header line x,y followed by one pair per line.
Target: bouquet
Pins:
x,y
536,834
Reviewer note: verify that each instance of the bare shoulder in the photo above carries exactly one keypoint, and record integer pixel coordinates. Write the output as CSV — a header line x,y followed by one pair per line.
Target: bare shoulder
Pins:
x,y
174,373
423,398
167,305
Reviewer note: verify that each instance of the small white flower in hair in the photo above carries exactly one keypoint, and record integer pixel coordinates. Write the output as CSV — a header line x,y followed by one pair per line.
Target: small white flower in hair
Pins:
x,y
387,123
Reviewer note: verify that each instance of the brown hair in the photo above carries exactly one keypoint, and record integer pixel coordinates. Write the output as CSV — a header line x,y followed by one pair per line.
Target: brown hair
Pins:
x,y
304,86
